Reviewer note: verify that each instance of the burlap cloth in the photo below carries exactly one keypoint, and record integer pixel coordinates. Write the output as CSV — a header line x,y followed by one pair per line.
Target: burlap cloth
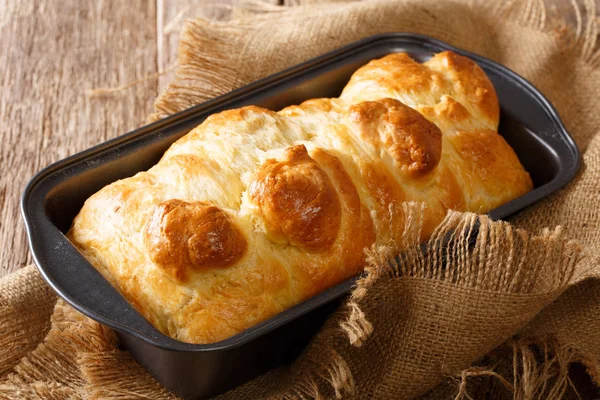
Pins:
x,y
513,316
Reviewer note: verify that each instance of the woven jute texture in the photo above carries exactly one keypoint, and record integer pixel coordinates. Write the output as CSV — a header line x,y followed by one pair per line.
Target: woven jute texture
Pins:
x,y
488,310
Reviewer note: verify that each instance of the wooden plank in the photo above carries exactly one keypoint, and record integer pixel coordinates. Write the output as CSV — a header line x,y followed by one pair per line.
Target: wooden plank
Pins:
x,y
170,17
52,53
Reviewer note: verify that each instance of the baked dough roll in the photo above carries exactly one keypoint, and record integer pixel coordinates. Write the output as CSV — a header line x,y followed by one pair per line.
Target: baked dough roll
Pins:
x,y
255,211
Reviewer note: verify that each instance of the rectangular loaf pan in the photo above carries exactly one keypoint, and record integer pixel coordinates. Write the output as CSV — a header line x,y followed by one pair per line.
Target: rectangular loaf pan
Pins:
x,y
55,195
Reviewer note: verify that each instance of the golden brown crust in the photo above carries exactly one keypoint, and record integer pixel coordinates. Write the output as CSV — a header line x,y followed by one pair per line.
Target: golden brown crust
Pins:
x,y
394,73
297,201
254,211
183,237
346,256
388,196
469,80
486,157
412,141
445,74
251,116
449,110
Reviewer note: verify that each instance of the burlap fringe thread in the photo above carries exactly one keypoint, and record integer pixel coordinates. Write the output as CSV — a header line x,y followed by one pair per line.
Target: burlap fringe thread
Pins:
x,y
463,250
78,359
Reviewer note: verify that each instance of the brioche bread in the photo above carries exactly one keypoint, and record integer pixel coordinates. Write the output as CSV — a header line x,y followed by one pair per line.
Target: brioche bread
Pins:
x,y
255,211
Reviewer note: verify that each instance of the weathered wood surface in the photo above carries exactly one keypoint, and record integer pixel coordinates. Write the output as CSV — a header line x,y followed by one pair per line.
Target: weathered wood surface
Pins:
x,y
52,53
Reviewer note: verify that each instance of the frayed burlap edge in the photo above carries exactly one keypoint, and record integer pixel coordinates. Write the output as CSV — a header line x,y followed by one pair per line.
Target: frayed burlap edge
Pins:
x,y
530,368
463,251
79,359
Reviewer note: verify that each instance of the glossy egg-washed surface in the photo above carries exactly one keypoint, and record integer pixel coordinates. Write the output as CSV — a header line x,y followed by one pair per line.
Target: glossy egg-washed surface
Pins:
x,y
255,211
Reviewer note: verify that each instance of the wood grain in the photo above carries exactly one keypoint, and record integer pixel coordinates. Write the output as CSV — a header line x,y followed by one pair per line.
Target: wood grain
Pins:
x,y
51,53
170,17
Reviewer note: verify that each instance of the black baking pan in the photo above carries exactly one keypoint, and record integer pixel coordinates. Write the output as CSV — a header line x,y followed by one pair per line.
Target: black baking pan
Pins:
x,y
55,195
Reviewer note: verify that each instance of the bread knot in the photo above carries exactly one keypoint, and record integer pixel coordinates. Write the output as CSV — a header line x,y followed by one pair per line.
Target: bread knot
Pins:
x,y
184,237
297,201
411,143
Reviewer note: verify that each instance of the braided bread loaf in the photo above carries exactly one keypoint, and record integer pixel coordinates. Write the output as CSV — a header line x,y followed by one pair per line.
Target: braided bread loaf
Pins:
x,y
254,210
